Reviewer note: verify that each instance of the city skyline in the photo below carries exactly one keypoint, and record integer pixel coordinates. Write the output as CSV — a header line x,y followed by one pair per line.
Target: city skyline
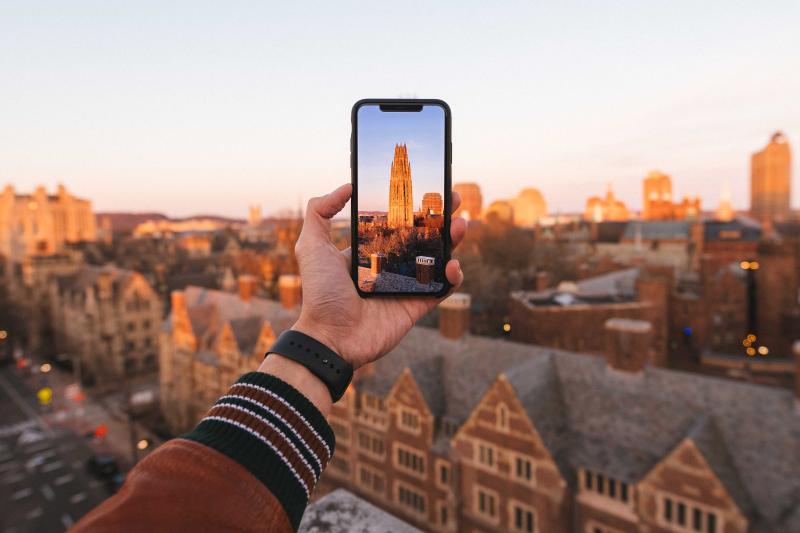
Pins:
x,y
133,111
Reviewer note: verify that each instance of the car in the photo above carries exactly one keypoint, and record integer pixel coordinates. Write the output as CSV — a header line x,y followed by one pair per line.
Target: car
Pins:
x,y
102,466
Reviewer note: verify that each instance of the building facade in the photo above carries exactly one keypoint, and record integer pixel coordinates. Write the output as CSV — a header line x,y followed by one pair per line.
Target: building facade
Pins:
x,y
771,180
211,338
41,224
477,434
401,197
605,209
658,200
471,201
106,320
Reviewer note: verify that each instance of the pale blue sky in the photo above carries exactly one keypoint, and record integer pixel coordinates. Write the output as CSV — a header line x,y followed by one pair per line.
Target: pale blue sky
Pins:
x,y
190,107
378,133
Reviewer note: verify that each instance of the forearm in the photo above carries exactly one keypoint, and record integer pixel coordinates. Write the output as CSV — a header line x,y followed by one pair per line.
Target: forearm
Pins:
x,y
264,437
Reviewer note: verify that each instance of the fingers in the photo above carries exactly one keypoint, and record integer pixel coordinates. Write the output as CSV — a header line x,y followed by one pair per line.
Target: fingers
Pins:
x,y
455,201
454,274
329,205
458,228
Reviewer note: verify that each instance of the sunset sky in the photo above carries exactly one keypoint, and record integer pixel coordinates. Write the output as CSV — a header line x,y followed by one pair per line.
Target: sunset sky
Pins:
x,y
208,107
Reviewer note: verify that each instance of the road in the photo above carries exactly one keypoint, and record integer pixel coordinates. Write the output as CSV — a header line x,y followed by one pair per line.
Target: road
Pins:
x,y
44,485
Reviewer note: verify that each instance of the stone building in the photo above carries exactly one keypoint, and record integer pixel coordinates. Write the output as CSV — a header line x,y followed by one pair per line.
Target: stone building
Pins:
x,y
471,200
212,337
771,180
529,207
477,434
106,319
432,204
401,198
41,223
605,209
658,200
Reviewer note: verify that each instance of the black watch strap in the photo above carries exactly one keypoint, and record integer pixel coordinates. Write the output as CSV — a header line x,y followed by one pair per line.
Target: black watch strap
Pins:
x,y
323,362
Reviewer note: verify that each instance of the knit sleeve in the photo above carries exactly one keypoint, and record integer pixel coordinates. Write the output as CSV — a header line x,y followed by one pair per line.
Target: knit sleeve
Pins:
x,y
274,432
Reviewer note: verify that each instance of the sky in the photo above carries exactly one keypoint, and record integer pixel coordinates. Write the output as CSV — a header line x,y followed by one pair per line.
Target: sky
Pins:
x,y
209,107
378,133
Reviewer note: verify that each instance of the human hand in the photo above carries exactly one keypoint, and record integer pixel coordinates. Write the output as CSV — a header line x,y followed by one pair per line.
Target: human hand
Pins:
x,y
360,330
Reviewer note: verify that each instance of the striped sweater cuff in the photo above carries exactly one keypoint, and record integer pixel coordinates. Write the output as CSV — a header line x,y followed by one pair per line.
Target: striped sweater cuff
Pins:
x,y
275,432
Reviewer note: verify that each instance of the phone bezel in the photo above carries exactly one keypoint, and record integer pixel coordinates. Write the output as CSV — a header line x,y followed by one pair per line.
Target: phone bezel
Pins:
x,y
448,160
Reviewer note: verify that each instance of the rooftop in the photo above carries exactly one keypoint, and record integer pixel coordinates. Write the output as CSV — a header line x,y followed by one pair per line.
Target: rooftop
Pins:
x,y
342,511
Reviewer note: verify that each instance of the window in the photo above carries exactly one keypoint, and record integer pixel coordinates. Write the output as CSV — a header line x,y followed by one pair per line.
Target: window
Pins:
x,y
444,474
524,469
131,326
486,455
502,417
605,486
409,420
371,480
148,342
410,498
683,515
594,527
371,444
410,460
444,513
523,518
130,364
146,324
486,503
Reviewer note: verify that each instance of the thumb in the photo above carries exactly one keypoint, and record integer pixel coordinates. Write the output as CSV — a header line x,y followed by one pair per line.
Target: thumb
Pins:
x,y
321,209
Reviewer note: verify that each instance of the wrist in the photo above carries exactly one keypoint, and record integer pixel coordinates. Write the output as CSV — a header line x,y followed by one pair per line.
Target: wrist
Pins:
x,y
318,334
300,378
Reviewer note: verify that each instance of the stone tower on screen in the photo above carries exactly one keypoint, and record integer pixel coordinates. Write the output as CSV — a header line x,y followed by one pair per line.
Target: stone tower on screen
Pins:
x,y
401,200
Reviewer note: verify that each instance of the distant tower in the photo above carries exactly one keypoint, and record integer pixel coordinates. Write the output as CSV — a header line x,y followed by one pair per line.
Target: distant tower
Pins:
x,y
725,210
471,200
529,207
770,180
657,197
401,199
254,215
432,203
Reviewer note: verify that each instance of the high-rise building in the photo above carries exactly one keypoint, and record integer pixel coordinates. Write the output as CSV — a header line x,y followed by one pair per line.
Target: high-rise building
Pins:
x,y
657,196
529,206
432,204
401,198
471,200
770,180
41,224
605,209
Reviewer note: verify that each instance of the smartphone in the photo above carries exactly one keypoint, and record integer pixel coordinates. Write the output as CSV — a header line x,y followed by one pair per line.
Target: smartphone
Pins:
x,y
400,159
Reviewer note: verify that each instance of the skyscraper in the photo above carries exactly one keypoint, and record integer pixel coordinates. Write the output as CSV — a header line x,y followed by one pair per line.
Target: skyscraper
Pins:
x,y
471,200
401,199
770,180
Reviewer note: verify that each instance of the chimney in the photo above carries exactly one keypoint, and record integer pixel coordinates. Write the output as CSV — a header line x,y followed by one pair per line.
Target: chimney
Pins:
x,y
628,343
248,285
454,315
377,263
542,280
425,266
290,290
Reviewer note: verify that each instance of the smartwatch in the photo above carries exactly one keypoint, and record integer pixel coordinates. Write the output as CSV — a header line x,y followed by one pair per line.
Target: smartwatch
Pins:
x,y
327,365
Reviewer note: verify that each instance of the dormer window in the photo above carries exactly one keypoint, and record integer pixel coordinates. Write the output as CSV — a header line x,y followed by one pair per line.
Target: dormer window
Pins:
x,y
606,486
409,420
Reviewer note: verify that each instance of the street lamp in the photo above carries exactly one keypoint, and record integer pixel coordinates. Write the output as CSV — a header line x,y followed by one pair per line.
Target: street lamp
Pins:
x,y
143,444
45,368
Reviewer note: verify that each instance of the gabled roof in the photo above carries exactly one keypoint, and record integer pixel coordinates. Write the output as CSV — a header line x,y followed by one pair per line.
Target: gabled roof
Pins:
x,y
622,425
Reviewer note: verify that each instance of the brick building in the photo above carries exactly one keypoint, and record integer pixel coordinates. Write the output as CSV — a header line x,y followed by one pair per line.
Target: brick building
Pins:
x,y
212,337
109,319
477,434
771,180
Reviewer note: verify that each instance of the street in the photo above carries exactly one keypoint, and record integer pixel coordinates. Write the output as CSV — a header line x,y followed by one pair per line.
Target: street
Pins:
x,y
44,484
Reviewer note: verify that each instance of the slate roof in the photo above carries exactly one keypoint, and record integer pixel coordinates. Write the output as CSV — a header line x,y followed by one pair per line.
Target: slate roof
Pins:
x,y
88,275
748,230
622,425
652,230
618,286
210,309
342,511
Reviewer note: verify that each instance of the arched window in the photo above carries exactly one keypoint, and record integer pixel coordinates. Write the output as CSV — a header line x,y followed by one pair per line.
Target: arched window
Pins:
x,y
502,416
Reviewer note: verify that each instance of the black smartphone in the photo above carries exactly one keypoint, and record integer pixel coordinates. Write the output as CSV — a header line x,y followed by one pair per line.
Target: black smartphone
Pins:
x,y
400,159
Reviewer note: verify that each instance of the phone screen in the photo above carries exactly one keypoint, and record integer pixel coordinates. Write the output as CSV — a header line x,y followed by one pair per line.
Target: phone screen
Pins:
x,y
401,180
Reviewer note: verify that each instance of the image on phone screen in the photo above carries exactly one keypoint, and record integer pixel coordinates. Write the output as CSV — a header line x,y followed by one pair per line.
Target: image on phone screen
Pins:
x,y
400,159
